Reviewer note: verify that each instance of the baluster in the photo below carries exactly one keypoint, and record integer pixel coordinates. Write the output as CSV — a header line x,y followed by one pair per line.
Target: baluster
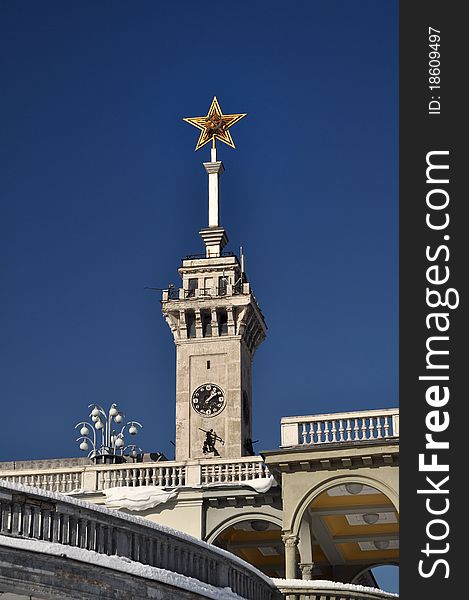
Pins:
x,y
148,551
134,547
26,527
120,478
160,476
334,430
140,477
348,431
173,477
64,527
326,431
378,428
112,540
36,522
147,475
56,527
158,553
304,433
79,531
16,519
312,433
91,536
134,478
73,530
363,428
100,541
46,523
386,426
355,429
372,428
341,430
5,510
109,541
126,473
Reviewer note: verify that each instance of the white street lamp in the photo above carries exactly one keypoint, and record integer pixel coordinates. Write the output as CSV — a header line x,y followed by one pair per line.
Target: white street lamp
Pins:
x,y
112,445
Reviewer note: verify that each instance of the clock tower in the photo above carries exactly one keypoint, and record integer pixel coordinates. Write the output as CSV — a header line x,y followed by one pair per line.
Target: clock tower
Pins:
x,y
217,326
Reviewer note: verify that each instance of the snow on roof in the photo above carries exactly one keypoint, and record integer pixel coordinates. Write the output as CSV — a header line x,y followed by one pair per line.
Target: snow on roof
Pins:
x,y
123,565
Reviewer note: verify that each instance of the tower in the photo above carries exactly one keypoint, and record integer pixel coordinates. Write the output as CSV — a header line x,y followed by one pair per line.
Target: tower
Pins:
x,y
217,326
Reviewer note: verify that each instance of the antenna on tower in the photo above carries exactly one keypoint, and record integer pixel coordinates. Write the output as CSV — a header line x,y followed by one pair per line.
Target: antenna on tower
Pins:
x,y
241,257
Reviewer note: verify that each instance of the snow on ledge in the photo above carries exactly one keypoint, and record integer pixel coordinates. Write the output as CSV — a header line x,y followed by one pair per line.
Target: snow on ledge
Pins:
x,y
149,496
137,498
324,584
123,565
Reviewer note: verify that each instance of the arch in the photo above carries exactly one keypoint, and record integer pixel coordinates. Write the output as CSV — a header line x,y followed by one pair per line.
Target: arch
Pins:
x,y
339,480
391,580
373,566
248,516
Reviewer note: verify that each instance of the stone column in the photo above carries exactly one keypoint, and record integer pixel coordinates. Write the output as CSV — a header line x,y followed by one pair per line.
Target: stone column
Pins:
x,y
291,543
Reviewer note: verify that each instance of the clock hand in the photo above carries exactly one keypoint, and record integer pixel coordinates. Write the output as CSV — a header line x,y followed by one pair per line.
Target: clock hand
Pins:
x,y
214,393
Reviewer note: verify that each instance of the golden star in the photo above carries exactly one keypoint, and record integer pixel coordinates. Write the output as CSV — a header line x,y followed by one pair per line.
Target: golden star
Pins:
x,y
215,125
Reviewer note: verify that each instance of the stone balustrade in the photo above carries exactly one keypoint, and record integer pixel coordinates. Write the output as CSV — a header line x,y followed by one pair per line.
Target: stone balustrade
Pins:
x,y
167,474
317,590
51,518
337,428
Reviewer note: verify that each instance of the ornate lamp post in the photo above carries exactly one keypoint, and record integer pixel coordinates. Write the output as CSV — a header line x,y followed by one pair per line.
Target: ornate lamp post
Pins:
x,y
113,446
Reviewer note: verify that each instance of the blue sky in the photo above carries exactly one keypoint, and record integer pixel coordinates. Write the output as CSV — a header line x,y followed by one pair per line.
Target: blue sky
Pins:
x,y
102,195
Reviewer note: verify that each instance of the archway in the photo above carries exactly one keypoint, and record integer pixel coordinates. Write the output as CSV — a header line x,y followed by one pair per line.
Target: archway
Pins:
x,y
256,539
343,528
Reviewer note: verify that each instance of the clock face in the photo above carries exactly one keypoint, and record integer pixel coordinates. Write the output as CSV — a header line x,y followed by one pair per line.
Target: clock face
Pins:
x,y
208,400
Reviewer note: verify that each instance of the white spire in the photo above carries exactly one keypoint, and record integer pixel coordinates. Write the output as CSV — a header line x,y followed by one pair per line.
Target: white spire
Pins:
x,y
214,235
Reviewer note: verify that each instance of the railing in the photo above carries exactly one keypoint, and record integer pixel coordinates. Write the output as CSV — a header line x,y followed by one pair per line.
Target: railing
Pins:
x,y
299,589
53,480
168,474
340,427
228,290
233,472
197,256
47,517
141,475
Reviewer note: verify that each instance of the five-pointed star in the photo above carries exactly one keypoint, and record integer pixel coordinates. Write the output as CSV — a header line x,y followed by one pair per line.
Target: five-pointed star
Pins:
x,y
215,125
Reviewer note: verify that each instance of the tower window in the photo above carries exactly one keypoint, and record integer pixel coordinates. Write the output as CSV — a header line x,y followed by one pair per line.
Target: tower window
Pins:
x,y
222,283
193,285
206,318
208,283
190,323
222,322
